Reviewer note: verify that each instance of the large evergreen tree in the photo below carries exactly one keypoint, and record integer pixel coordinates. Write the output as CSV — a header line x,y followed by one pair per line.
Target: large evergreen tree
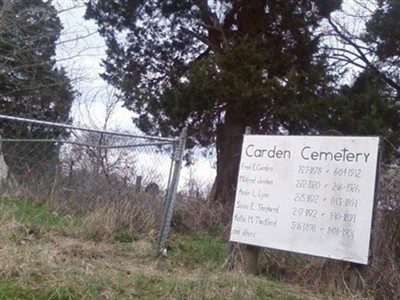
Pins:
x,y
30,83
367,108
383,37
217,67
371,105
375,47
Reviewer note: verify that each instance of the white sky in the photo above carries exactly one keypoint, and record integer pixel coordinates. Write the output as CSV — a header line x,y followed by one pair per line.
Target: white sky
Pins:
x,y
80,51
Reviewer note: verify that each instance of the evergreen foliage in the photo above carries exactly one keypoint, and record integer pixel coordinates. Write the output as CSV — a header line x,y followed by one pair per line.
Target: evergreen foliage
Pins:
x,y
217,67
371,105
367,108
384,30
383,38
30,83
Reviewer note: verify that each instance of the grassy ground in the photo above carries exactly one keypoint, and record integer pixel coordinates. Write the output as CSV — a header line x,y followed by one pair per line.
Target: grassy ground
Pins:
x,y
47,256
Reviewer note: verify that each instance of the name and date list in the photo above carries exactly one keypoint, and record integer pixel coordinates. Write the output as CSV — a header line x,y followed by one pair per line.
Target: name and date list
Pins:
x,y
306,197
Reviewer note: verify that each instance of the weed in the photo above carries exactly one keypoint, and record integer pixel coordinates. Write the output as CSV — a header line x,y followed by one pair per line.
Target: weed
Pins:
x,y
197,249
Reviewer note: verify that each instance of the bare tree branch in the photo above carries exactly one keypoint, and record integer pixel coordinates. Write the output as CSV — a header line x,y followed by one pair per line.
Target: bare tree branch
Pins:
x,y
359,52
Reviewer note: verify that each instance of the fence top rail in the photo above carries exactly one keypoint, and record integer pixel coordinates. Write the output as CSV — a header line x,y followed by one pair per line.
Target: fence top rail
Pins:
x,y
68,126
85,144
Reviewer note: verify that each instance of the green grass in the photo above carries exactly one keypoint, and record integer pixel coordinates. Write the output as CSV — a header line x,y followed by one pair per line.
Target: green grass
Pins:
x,y
60,263
209,286
11,291
34,214
194,249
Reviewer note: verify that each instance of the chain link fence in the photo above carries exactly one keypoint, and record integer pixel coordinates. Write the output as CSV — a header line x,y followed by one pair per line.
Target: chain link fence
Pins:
x,y
132,178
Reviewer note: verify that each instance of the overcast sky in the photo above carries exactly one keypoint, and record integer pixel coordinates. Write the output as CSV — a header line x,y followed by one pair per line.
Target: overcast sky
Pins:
x,y
80,51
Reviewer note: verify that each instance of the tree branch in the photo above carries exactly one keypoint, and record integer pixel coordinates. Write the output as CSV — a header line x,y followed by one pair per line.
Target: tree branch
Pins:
x,y
362,56
198,36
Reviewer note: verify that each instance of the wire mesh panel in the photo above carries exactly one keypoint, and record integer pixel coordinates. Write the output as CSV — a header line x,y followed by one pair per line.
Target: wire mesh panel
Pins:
x,y
78,169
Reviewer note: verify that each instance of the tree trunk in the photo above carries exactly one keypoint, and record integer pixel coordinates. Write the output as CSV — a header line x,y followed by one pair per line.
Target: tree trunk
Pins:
x,y
229,145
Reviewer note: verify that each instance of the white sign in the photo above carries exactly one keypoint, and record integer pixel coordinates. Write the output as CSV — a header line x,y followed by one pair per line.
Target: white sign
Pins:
x,y
311,195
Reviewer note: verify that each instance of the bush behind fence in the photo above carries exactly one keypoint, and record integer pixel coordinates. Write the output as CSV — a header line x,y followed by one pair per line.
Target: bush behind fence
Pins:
x,y
80,170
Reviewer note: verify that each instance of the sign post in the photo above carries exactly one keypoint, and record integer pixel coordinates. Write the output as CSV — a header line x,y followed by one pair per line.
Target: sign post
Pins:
x,y
311,195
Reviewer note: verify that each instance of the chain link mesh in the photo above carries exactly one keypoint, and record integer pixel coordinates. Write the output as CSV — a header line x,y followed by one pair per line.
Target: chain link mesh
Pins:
x,y
78,169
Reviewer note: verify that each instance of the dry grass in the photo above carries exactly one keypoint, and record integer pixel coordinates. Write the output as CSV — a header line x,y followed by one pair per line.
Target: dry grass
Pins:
x,y
109,253
201,215
80,269
53,263
124,220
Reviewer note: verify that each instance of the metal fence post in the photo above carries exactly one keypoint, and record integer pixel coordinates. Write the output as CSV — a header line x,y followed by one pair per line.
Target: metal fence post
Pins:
x,y
171,194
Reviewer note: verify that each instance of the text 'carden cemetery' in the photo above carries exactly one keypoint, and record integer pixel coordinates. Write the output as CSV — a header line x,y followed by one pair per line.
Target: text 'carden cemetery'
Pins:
x,y
311,195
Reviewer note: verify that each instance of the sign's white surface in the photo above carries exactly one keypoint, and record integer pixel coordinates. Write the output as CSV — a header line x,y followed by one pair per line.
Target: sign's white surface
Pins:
x,y
312,195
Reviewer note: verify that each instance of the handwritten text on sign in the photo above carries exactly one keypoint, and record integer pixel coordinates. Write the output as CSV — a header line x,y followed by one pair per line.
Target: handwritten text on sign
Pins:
x,y
311,195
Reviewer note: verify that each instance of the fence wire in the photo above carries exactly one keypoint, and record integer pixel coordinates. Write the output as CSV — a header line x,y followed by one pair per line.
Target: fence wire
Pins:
x,y
79,168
